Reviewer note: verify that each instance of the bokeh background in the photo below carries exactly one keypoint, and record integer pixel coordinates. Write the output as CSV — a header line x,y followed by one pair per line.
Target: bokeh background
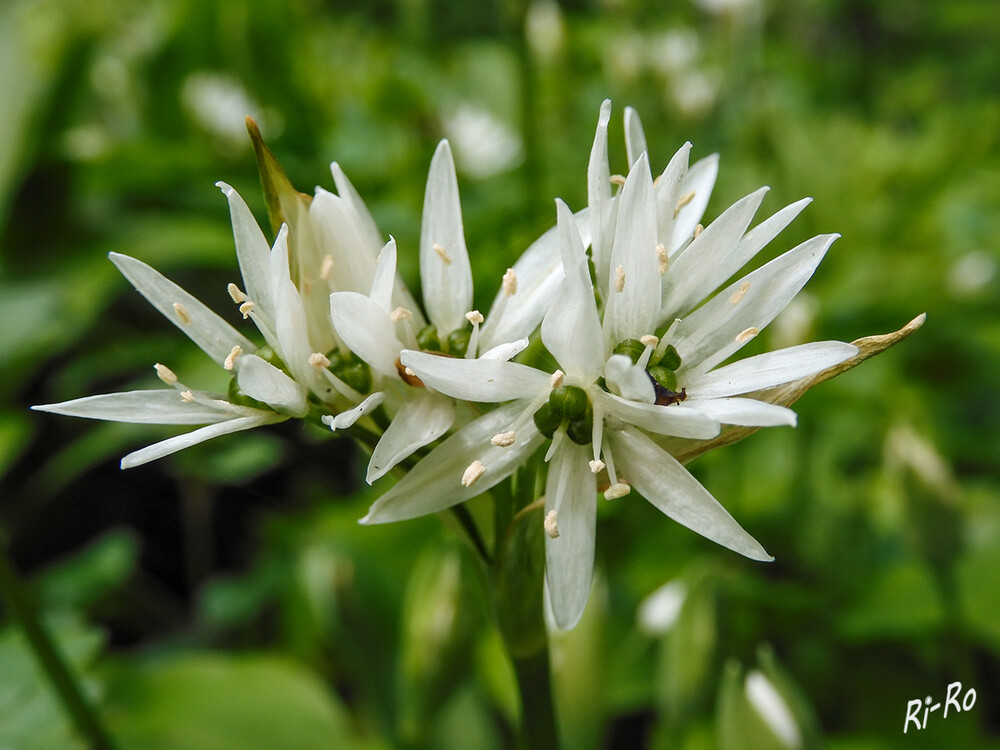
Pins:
x,y
226,598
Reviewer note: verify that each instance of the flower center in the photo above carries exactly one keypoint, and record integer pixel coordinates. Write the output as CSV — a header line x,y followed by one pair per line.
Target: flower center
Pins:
x,y
567,405
661,368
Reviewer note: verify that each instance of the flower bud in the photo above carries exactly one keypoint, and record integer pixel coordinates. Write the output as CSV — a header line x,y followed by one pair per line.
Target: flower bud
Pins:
x,y
569,401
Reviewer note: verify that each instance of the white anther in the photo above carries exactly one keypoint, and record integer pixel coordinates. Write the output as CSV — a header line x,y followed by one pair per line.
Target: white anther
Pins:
x,y
165,374
400,313
472,473
617,490
740,293
442,254
619,278
182,313
661,259
649,340
557,378
319,360
510,282
475,317
617,179
326,267
596,466
187,396
698,229
231,357
234,291
683,201
246,308
746,334
409,372
503,439
552,524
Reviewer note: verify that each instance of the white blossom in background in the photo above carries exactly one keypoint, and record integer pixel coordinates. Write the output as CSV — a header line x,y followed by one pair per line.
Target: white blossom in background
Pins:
x,y
659,611
219,102
772,708
545,30
484,145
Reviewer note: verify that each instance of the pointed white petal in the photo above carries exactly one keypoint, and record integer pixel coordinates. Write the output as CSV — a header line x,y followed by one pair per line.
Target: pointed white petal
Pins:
x,y
746,412
699,181
711,334
263,381
666,484
180,442
635,138
338,234
161,406
571,491
770,369
506,352
385,277
367,330
632,312
599,190
210,332
667,192
628,379
445,272
251,249
290,321
539,273
366,225
676,420
702,266
347,418
435,483
571,328
487,380
420,421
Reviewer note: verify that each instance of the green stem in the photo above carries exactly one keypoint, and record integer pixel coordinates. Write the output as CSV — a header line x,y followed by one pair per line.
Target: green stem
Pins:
x,y
468,524
66,686
538,718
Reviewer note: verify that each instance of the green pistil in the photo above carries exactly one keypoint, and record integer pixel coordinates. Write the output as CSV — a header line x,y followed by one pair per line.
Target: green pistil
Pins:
x,y
569,401
631,348
569,406
664,376
458,341
352,370
669,359
428,339
547,421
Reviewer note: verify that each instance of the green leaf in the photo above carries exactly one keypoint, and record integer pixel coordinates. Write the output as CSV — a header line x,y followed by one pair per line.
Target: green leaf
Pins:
x,y
902,600
100,567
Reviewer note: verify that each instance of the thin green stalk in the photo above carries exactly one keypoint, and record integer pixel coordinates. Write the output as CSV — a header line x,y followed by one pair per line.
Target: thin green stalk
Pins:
x,y
468,524
538,717
82,712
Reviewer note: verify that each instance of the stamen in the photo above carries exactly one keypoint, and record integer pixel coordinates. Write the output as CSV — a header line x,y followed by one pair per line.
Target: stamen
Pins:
x,y
187,396
643,360
245,308
475,317
442,254
409,372
683,201
661,259
510,282
400,313
234,291
617,179
617,490
472,473
740,293
661,348
557,440
557,378
747,334
649,340
552,524
619,278
698,229
165,374
319,360
503,439
596,466
182,313
231,358
326,268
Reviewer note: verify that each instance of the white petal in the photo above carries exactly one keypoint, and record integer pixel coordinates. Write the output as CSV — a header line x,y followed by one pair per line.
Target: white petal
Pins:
x,y
702,266
539,273
677,420
445,273
385,277
571,329
667,192
746,412
711,334
666,484
290,320
628,379
700,180
252,249
771,369
366,225
159,406
210,332
570,490
599,191
633,311
347,418
367,330
421,420
180,442
338,234
435,483
635,138
506,352
263,381
487,380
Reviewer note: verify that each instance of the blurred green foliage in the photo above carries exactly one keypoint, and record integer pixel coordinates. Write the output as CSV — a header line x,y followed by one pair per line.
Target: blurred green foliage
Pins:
x,y
244,607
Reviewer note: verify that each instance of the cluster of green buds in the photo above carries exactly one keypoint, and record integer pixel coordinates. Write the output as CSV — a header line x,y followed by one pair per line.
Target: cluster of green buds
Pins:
x,y
661,368
567,405
456,344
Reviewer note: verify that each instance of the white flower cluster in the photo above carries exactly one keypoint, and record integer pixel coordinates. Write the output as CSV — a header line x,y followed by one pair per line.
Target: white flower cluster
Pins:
x,y
638,328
